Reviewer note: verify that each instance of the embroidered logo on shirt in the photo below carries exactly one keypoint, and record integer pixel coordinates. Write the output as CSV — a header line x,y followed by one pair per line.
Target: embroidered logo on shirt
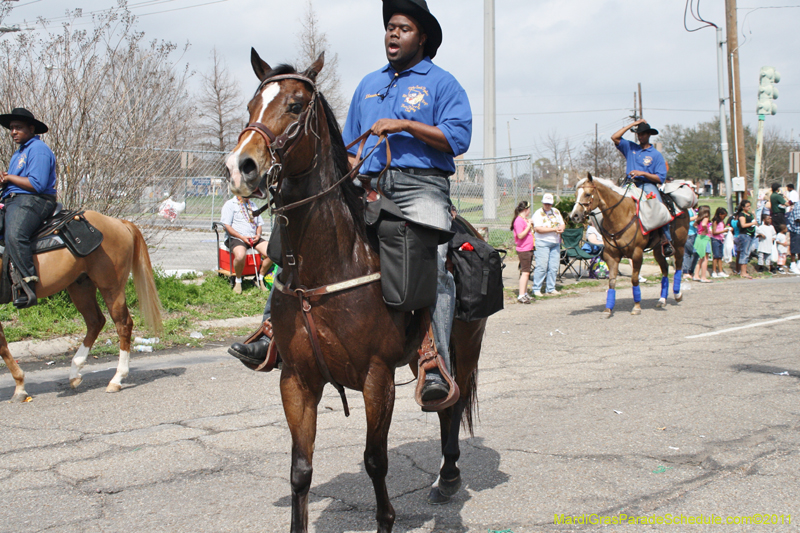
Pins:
x,y
415,98
371,96
647,160
21,161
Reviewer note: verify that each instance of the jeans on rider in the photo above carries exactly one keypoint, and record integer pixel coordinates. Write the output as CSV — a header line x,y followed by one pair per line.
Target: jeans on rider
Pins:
x,y
426,199
24,214
648,186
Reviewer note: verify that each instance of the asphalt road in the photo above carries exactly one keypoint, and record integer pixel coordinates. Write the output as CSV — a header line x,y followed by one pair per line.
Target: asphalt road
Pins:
x,y
579,415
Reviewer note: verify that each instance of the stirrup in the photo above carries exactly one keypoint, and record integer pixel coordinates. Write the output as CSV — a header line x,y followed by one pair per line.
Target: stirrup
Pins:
x,y
273,358
430,359
666,249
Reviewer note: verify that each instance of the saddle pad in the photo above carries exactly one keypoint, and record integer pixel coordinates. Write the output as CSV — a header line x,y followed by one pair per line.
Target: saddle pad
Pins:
x,y
652,213
40,246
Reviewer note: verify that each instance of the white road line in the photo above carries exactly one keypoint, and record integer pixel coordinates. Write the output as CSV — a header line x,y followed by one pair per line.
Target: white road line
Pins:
x,y
757,324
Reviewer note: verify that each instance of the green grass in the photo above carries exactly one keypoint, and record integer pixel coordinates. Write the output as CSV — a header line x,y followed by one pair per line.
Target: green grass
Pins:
x,y
184,305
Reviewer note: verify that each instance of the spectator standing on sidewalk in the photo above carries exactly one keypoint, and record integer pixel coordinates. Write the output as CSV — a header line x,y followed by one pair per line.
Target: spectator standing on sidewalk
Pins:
x,y
689,259
794,240
718,232
777,207
548,226
782,242
747,232
522,226
765,234
702,243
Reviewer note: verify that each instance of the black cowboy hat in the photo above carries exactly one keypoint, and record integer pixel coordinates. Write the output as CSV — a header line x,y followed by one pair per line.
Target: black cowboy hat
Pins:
x,y
22,114
644,127
418,10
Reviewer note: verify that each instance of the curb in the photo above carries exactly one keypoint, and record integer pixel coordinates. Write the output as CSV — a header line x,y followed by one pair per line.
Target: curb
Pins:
x,y
33,351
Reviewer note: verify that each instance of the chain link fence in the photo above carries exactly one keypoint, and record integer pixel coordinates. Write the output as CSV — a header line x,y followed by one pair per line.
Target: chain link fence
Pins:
x,y
176,210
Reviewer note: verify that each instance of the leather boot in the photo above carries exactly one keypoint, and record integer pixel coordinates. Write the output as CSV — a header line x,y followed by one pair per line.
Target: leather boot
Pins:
x,y
26,296
255,352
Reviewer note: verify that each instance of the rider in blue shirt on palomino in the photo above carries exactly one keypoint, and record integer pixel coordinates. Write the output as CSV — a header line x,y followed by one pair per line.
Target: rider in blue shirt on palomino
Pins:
x,y
426,115
28,194
646,167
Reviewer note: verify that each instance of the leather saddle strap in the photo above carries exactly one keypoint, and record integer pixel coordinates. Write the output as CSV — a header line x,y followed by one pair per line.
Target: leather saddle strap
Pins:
x,y
429,359
305,306
329,289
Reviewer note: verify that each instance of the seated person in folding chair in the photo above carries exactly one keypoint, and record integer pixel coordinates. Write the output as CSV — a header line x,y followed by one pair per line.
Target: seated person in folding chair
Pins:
x,y
594,241
244,232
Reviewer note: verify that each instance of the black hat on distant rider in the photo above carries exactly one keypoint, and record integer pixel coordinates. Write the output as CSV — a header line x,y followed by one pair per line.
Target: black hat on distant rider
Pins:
x,y
644,127
418,10
22,114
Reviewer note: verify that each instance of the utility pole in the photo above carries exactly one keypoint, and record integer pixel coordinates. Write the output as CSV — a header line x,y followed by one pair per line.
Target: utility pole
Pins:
x,y
595,148
723,126
641,113
732,36
489,118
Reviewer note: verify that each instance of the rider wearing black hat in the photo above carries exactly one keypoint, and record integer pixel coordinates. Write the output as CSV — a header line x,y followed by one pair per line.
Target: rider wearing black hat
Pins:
x,y
28,193
646,167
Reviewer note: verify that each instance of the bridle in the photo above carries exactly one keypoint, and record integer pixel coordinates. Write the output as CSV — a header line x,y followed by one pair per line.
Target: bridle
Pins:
x,y
609,236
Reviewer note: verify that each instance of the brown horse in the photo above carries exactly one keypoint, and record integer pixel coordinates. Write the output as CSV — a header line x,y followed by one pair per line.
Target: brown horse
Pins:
x,y
623,237
106,269
294,144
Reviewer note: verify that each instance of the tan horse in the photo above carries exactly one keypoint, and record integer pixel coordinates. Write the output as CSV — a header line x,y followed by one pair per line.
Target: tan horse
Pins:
x,y
106,269
623,237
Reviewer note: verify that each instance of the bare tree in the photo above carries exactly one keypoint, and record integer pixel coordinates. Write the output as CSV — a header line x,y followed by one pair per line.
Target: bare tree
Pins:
x,y
314,41
221,107
115,105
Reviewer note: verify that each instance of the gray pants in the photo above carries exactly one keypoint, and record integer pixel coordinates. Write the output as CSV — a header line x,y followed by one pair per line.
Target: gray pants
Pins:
x,y
426,199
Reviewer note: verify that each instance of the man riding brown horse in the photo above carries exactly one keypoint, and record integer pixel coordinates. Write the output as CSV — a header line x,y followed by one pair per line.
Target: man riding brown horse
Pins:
x,y
426,116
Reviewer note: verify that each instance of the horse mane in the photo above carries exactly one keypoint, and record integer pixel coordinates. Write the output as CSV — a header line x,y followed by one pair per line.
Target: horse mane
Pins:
x,y
351,193
604,182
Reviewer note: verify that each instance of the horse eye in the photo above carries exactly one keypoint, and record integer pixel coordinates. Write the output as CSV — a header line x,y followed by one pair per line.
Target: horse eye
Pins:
x,y
295,109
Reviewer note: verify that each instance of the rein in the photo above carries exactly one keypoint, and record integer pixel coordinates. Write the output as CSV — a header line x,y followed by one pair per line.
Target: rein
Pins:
x,y
612,237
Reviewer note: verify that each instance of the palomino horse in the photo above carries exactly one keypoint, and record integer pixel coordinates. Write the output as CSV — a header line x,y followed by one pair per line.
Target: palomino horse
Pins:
x,y
294,144
623,238
106,269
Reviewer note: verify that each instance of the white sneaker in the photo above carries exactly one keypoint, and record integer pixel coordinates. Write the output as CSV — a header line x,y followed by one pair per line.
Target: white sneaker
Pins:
x,y
642,279
722,275
538,294
795,268
714,275
554,292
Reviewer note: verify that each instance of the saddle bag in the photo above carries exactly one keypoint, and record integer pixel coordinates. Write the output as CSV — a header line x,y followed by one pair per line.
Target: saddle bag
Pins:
x,y
408,256
81,237
478,272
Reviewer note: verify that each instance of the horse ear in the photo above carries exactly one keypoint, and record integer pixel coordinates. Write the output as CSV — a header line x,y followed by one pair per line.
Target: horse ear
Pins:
x,y
589,176
260,67
316,67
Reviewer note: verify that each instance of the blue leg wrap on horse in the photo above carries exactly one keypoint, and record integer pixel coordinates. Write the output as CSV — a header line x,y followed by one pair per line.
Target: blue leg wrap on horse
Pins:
x,y
664,287
637,294
676,282
611,298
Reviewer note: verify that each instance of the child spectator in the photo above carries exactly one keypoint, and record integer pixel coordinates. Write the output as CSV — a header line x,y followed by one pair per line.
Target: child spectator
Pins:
x,y
702,243
522,226
718,231
747,231
782,242
765,234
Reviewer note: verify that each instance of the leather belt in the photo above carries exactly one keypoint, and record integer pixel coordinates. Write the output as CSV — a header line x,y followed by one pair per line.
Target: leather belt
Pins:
x,y
417,172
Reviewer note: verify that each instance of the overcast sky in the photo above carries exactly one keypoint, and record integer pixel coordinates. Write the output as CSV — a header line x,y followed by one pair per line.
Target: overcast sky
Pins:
x,y
562,65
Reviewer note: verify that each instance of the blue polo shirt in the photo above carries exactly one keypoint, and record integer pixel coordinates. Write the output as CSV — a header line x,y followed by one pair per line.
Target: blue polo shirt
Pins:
x,y
425,93
647,160
33,160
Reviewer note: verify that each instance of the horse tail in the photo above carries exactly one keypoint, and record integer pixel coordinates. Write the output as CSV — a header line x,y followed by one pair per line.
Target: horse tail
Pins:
x,y
470,399
146,293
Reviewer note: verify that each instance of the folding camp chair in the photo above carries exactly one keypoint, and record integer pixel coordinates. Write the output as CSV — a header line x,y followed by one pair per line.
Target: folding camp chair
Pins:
x,y
573,258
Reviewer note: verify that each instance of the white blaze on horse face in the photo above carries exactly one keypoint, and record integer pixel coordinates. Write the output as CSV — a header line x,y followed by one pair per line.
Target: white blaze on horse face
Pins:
x,y
268,94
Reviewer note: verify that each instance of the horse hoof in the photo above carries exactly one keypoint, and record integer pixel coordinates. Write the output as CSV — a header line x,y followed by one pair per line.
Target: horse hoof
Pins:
x,y
449,488
661,303
74,382
435,497
114,387
20,397
679,297
636,312
607,313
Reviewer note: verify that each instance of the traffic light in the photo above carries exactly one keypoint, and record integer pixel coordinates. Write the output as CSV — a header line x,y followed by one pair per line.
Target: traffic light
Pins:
x,y
767,92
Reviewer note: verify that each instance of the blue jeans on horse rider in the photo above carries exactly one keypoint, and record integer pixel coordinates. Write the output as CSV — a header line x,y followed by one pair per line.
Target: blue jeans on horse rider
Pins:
x,y
648,186
24,213
426,199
